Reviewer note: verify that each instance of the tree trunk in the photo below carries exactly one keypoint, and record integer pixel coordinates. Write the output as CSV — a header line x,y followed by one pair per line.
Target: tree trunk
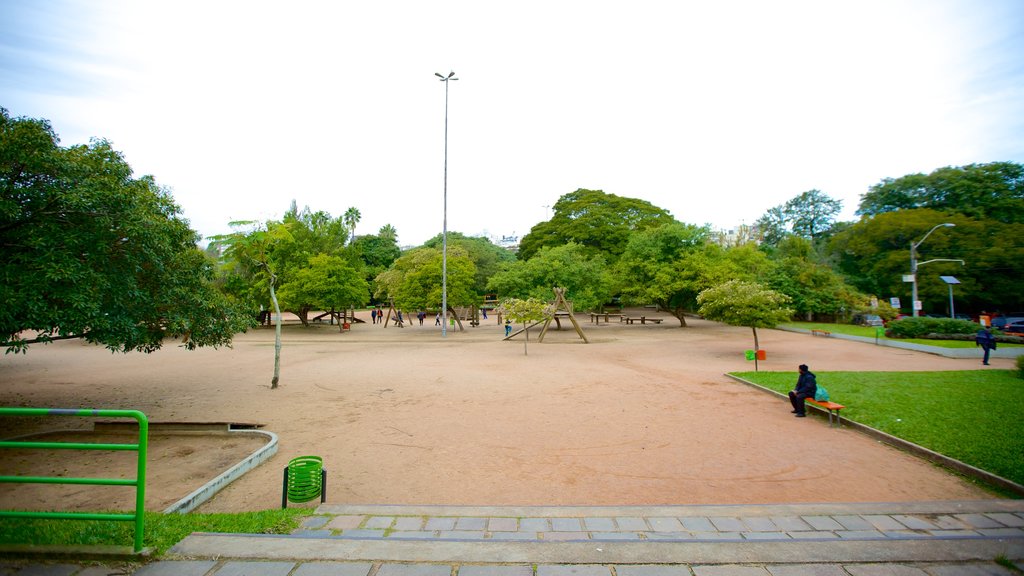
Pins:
x,y
304,316
277,335
754,328
679,313
526,340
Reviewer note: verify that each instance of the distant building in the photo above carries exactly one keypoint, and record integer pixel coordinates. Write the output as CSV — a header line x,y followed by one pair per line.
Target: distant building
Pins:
x,y
738,236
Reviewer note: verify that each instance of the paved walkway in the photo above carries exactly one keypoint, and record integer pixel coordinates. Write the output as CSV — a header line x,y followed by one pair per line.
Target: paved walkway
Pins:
x,y
929,538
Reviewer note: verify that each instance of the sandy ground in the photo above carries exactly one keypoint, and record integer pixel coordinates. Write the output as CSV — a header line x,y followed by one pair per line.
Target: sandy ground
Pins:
x,y
640,415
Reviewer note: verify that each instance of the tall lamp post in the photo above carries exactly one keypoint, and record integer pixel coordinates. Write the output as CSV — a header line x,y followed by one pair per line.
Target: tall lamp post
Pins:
x,y
914,264
444,230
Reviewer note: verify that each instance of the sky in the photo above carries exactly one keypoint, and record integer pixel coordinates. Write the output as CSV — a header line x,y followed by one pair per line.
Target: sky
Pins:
x,y
715,111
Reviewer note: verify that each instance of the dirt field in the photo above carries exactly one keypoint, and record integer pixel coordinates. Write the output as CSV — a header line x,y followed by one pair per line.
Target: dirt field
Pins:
x,y
641,415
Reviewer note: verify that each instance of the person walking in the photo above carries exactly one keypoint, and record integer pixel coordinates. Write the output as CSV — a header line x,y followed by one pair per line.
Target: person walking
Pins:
x,y
373,315
806,386
987,341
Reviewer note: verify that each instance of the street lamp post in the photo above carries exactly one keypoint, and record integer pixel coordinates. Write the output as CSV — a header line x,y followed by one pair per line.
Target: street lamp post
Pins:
x,y
444,229
914,265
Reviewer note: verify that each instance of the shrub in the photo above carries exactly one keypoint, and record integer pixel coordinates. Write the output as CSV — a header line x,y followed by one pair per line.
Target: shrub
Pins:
x,y
922,326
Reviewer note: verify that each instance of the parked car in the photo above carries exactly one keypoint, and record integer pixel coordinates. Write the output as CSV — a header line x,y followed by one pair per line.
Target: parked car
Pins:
x,y
1000,321
1014,328
867,320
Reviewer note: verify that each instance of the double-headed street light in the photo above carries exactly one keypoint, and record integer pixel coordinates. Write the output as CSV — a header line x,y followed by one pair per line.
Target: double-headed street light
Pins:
x,y
914,264
444,230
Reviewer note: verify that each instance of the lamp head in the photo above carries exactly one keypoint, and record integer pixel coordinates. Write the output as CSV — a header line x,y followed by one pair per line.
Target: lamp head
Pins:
x,y
949,225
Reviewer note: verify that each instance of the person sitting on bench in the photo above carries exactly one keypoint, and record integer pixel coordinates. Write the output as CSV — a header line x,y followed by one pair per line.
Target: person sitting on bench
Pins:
x,y
806,386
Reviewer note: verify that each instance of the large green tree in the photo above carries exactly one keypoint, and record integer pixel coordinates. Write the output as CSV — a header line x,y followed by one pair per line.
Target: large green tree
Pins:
x,y
601,222
993,191
89,251
669,266
583,275
874,254
486,256
809,215
415,279
814,288
328,283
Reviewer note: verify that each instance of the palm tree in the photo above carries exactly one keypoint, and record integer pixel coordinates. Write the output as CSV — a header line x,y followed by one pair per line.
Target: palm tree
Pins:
x,y
351,218
388,232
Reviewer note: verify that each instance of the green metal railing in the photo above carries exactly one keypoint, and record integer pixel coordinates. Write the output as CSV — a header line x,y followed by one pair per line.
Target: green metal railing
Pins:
x,y
140,478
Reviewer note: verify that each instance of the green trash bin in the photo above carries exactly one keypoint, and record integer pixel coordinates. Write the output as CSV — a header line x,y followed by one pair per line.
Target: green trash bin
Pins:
x,y
750,354
304,479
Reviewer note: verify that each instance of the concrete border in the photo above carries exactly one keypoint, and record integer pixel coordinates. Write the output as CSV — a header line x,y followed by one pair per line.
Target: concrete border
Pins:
x,y
915,449
271,547
206,491
959,353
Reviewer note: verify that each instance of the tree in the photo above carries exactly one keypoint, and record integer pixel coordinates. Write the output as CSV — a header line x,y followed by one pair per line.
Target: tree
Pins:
x,y
812,213
584,276
530,310
327,283
377,253
651,269
486,256
993,191
601,222
807,215
813,287
250,252
740,303
414,280
91,252
772,226
671,265
874,254
351,218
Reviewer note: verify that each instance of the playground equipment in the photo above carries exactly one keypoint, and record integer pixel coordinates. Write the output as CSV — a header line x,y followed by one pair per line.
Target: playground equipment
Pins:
x,y
140,476
562,309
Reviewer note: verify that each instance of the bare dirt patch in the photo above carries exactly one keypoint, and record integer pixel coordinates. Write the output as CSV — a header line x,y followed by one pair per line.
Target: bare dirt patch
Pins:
x,y
641,415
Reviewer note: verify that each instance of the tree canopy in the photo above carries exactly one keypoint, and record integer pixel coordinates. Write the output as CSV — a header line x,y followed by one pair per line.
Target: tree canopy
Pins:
x,y
601,222
874,254
584,276
91,252
414,280
993,191
741,303
808,215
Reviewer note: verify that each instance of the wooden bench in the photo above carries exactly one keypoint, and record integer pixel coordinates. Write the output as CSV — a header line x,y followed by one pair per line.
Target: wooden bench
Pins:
x,y
829,407
825,333
595,317
644,320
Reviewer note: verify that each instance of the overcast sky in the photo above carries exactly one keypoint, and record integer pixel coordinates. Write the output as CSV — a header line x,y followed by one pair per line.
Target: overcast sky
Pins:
x,y
714,110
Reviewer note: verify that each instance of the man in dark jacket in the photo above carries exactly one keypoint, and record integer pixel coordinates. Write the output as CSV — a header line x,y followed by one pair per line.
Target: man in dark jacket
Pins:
x,y
806,386
987,341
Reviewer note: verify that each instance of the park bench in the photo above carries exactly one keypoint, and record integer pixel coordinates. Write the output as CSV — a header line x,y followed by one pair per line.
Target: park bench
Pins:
x,y
643,320
816,332
595,317
829,407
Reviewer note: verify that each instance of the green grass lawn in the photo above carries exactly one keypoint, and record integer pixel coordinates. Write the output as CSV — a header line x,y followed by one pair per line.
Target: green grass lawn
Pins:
x,y
975,416
869,332
161,532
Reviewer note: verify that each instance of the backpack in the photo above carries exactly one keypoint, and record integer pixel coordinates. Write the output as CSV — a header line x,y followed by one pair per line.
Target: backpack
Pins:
x,y
821,395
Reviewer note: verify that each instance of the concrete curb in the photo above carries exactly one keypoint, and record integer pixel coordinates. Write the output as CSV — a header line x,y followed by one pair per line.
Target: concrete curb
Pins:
x,y
206,491
917,450
266,547
960,353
